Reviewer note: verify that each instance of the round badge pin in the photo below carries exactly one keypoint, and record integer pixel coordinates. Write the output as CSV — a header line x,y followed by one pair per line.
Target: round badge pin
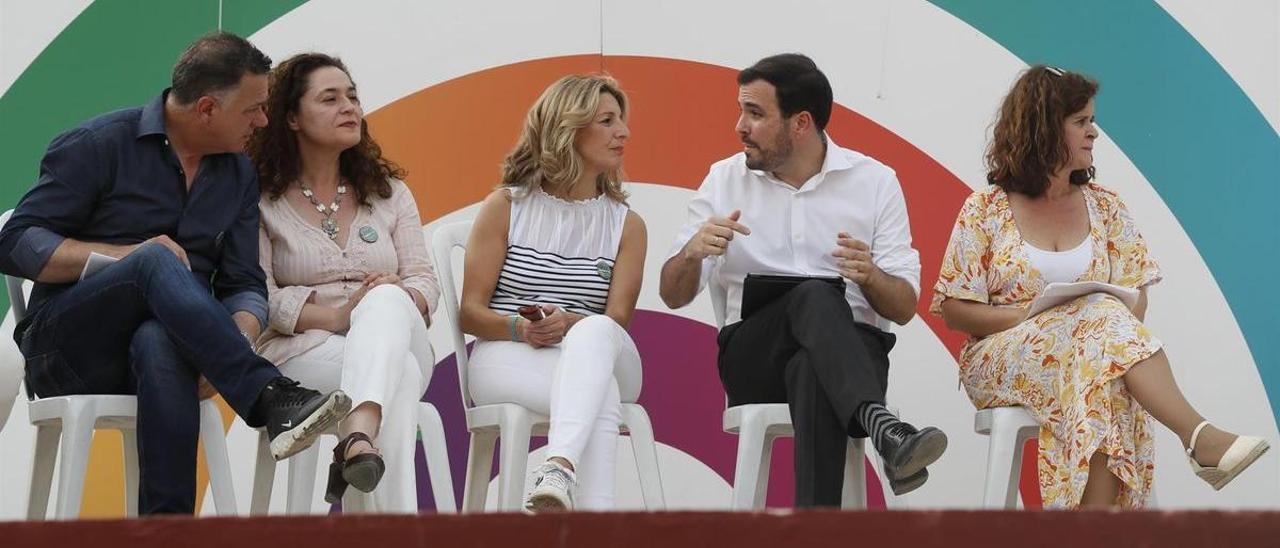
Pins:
x,y
604,269
368,234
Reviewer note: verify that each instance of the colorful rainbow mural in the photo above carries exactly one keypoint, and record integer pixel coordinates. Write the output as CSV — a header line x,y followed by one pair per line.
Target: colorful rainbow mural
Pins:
x,y
446,86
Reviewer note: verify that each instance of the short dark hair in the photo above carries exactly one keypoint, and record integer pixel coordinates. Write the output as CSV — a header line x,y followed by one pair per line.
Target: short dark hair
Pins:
x,y
1027,143
213,63
800,85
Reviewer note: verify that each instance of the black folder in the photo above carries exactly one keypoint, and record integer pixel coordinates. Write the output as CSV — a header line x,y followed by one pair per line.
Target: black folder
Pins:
x,y
761,289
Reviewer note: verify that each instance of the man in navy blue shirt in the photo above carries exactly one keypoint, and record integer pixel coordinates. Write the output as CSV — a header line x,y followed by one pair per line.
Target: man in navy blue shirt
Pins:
x,y
166,191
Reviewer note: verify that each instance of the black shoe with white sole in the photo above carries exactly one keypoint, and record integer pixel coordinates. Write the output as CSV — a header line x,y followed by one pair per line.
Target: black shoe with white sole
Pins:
x,y
907,451
296,416
908,484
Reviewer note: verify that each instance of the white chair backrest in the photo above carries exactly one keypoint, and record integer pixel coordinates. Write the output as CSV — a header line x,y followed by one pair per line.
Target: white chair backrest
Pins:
x,y
445,239
17,298
718,296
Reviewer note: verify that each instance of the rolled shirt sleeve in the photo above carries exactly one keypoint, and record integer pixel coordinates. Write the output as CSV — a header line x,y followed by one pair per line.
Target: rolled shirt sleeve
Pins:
x,y
285,307
891,248
248,301
34,248
72,173
700,209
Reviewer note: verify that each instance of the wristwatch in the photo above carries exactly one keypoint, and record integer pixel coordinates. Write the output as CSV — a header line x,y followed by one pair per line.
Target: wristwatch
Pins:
x,y
249,340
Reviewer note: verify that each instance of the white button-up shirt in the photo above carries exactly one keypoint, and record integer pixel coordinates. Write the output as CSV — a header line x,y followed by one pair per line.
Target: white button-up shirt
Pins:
x,y
793,231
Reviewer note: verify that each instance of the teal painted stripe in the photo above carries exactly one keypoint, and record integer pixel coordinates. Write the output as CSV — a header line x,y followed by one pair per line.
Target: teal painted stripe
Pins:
x,y
115,54
1186,125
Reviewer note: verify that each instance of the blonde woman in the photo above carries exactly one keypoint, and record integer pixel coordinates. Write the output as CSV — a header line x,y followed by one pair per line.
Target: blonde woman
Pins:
x,y
553,269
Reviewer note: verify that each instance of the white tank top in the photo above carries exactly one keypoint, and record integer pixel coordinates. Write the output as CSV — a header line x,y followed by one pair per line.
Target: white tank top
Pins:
x,y
1061,266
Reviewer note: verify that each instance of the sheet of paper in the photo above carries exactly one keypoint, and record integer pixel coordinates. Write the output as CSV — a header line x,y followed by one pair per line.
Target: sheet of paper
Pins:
x,y
95,264
1059,293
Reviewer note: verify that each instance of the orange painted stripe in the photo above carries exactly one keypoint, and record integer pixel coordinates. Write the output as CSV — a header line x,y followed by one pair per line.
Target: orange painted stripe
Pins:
x,y
451,137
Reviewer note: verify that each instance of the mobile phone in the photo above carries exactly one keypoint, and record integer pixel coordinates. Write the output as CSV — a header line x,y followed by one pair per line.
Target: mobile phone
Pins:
x,y
532,312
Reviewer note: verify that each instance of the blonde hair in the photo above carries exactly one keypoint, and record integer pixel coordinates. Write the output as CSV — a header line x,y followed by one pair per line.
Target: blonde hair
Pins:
x,y
545,154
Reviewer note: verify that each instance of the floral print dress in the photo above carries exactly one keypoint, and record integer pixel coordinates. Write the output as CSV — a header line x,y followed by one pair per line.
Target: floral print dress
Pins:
x,y
1065,364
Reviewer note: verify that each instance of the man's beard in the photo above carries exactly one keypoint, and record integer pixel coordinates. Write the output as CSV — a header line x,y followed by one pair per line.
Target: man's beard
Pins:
x,y
770,160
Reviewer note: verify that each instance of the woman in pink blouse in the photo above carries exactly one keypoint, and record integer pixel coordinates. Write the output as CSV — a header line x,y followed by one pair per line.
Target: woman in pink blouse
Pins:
x,y
348,276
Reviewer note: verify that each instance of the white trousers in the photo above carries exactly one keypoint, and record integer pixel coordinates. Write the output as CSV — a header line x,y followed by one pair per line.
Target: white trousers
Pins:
x,y
386,359
580,383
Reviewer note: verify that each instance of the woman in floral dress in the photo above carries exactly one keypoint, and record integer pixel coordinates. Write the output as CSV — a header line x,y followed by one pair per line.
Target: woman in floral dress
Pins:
x,y
1088,370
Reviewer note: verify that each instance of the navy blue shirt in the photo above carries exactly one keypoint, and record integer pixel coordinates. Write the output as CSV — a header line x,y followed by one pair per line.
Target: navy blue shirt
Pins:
x,y
116,180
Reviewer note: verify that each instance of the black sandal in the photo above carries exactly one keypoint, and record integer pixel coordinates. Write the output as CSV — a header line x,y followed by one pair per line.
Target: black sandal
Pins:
x,y
362,471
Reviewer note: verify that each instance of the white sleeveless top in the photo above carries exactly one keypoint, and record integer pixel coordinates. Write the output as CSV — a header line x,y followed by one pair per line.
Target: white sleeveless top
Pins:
x,y
559,253
1061,266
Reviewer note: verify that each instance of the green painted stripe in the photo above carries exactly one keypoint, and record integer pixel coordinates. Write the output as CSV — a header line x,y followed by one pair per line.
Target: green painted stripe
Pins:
x,y
1187,126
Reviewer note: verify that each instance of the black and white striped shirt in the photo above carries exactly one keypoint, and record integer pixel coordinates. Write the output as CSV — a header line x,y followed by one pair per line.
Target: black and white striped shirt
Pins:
x,y
529,276
559,253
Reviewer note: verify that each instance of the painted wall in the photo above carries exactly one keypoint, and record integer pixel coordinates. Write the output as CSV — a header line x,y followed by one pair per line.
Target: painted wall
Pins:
x,y
1189,111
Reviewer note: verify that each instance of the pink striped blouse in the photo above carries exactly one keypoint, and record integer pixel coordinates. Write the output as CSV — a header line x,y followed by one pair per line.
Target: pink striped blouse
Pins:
x,y
301,261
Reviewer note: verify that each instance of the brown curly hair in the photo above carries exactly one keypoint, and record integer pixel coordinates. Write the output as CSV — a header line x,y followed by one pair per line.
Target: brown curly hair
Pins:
x,y
274,148
1027,143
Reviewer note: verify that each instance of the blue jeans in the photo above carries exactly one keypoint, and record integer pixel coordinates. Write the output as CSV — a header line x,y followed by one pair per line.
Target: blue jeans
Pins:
x,y
146,326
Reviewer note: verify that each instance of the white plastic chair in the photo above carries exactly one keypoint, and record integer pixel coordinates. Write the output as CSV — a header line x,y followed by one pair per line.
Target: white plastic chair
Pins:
x,y
513,424
302,471
12,366
757,426
69,421
1009,429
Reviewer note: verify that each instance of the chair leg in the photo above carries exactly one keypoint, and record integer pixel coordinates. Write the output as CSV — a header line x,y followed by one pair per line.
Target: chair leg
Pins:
x,y
77,436
302,481
1013,495
753,450
479,468
1001,489
130,447
645,450
215,456
46,453
854,493
891,501
433,447
762,476
264,476
354,502
513,462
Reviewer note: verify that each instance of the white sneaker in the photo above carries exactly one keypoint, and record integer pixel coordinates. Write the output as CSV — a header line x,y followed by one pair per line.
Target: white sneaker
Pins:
x,y
552,491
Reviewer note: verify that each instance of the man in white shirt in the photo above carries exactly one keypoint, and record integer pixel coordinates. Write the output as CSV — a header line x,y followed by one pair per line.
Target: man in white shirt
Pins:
x,y
793,202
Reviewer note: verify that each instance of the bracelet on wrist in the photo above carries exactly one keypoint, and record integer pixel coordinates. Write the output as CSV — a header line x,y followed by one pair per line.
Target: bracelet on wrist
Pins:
x,y
515,334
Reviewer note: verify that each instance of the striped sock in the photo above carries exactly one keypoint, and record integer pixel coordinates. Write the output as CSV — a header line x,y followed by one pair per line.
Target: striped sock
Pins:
x,y
875,419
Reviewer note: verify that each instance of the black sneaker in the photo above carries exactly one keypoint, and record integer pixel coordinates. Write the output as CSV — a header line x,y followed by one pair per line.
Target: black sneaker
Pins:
x,y
295,416
907,451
